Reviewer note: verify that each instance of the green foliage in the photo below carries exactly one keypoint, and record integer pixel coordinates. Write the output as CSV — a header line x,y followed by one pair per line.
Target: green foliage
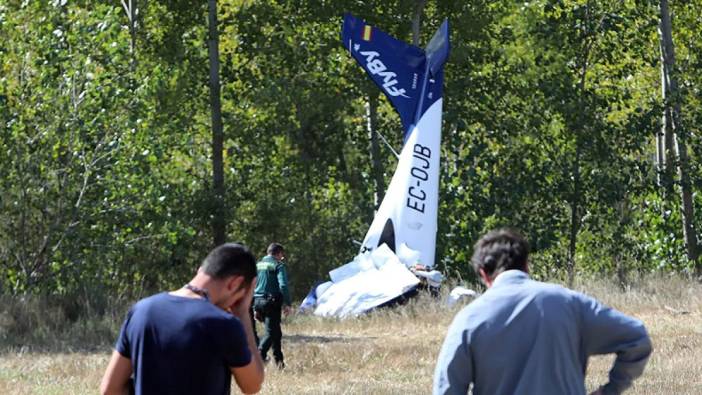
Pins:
x,y
105,184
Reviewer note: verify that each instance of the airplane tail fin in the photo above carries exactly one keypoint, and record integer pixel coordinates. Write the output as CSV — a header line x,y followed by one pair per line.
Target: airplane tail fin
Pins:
x,y
396,67
432,87
438,49
412,78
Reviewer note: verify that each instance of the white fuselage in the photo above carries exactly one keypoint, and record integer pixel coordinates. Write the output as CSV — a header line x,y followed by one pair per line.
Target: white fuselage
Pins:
x,y
412,198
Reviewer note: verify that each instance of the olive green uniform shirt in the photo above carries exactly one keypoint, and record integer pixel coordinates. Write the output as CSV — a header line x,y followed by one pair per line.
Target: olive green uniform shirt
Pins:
x,y
272,279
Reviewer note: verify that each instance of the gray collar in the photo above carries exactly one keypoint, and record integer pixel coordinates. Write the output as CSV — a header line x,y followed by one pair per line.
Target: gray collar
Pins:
x,y
510,277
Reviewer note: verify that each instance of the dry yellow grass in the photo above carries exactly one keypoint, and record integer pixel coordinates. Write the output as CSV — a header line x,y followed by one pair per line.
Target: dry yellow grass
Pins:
x,y
394,351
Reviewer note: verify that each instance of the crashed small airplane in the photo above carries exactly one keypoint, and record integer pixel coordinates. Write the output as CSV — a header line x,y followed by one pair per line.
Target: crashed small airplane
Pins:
x,y
403,232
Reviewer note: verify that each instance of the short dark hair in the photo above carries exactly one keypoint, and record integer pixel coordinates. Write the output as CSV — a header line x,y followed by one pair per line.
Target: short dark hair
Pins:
x,y
274,249
500,250
230,259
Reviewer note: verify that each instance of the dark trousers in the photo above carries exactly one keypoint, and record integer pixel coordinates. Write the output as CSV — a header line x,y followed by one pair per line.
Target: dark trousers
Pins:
x,y
273,334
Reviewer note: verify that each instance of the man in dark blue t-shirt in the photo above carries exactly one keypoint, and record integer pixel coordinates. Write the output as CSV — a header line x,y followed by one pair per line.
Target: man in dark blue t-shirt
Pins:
x,y
192,340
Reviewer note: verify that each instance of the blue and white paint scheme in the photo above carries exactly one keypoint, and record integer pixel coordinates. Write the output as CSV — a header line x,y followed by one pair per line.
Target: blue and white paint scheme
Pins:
x,y
412,79
403,232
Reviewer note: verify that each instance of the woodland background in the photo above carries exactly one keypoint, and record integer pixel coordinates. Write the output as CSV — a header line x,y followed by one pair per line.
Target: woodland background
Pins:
x,y
135,135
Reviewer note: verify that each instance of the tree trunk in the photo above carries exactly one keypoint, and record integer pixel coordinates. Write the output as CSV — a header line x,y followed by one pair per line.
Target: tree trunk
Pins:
x,y
575,217
218,211
667,146
372,115
417,21
620,240
660,155
130,8
672,123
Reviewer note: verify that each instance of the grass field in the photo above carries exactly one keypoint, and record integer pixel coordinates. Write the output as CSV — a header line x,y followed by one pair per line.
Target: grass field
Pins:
x,y
394,351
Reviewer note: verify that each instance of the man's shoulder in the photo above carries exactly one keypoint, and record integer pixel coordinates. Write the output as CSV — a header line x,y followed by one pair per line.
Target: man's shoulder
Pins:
x,y
471,318
476,311
153,300
496,296
144,311
185,307
556,290
546,286
204,314
267,263
556,296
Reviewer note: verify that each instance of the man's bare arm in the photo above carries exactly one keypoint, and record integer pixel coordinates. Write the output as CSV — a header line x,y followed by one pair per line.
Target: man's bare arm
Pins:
x,y
249,378
116,377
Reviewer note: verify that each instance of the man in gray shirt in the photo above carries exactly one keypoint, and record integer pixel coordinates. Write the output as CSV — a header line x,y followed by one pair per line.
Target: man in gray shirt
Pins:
x,y
527,337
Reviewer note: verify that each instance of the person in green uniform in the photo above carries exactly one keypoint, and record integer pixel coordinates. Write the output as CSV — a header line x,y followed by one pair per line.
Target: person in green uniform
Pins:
x,y
271,299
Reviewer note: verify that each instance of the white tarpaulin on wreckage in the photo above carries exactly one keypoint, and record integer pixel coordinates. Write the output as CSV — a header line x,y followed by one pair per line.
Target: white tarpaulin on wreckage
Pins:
x,y
370,280
403,232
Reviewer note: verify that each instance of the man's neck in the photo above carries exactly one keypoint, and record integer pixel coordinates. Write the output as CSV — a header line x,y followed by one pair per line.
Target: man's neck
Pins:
x,y
201,286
